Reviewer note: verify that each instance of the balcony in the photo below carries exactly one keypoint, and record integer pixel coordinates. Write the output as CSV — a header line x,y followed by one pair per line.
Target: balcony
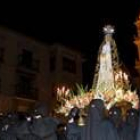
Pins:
x,y
27,93
27,65
22,105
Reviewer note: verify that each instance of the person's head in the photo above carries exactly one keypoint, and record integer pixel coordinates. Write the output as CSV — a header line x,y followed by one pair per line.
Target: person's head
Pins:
x,y
12,116
60,127
98,103
97,108
74,113
41,109
132,117
115,115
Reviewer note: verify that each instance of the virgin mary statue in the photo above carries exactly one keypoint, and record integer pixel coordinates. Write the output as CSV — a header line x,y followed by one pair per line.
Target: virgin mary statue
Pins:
x,y
107,63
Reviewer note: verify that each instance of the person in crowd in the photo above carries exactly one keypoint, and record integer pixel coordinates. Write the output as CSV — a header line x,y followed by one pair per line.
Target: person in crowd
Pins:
x,y
73,130
115,116
97,127
7,122
43,125
61,134
130,125
22,129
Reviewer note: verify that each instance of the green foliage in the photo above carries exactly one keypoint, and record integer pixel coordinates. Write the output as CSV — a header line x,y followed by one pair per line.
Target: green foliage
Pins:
x,y
80,89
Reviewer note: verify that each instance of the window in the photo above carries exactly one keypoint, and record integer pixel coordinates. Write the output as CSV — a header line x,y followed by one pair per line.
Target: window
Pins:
x,y
52,63
25,59
25,87
69,65
24,84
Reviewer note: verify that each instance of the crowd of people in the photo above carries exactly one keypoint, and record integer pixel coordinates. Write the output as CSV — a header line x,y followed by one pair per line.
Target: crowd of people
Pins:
x,y
98,124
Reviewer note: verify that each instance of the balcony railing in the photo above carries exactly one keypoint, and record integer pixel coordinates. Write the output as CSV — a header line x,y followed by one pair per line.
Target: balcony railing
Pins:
x,y
32,65
32,93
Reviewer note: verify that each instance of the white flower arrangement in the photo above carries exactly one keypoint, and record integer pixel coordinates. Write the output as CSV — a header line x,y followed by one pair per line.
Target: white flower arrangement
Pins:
x,y
83,100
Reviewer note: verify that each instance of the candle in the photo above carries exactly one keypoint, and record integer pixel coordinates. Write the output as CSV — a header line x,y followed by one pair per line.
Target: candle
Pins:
x,y
67,91
120,74
63,89
116,77
125,76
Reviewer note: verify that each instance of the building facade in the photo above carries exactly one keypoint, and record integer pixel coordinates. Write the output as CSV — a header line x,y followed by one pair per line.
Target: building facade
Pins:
x,y
31,71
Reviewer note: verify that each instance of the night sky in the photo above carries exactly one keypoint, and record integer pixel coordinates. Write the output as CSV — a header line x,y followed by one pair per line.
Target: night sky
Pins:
x,y
79,25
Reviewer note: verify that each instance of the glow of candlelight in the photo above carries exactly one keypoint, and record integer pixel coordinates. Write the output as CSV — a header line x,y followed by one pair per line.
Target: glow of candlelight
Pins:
x,y
125,76
67,91
120,74
63,89
116,77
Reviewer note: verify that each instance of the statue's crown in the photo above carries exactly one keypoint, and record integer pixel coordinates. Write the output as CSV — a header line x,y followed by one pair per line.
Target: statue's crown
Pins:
x,y
108,29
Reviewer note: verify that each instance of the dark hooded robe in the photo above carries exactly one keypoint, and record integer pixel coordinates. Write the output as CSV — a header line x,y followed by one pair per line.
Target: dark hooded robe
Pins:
x,y
6,123
22,130
115,116
130,126
97,127
73,130
61,133
43,125
6,136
